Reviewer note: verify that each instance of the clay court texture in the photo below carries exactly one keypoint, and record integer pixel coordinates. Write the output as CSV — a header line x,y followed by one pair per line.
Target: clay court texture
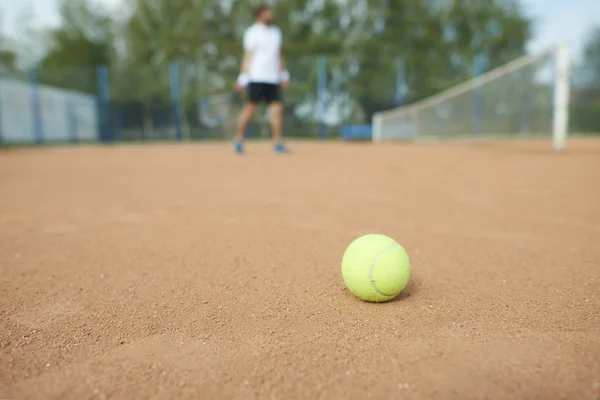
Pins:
x,y
184,272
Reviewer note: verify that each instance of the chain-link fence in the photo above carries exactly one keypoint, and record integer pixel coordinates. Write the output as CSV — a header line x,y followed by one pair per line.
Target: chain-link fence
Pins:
x,y
196,101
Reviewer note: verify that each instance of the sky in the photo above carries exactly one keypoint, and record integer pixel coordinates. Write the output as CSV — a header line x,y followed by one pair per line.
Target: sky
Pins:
x,y
568,21
556,21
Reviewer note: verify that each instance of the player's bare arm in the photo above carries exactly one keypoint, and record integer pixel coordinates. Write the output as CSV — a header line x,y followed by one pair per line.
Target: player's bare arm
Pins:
x,y
244,78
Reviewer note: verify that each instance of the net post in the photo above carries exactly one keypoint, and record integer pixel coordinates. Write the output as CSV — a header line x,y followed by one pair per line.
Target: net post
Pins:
x,y
72,119
174,81
38,128
104,102
478,69
560,121
377,128
322,93
400,81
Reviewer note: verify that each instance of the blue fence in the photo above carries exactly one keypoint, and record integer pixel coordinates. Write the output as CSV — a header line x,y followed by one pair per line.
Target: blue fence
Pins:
x,y
329,97
181,101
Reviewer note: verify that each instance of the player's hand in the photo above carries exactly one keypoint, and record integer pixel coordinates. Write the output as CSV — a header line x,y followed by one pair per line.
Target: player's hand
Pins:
x,y
239,88
285,85
241,82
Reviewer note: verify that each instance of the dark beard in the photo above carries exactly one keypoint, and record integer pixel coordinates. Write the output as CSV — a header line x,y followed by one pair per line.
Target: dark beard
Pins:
x,y
269,22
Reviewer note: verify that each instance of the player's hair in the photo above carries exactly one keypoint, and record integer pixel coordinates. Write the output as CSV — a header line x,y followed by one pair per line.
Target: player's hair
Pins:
x,y
261,9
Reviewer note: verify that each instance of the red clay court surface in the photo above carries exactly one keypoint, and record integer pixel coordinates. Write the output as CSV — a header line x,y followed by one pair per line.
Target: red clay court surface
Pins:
x,y
183,272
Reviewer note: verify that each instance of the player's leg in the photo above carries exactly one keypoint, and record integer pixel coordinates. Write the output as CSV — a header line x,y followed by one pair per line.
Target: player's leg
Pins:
x,y
273,98
243,120
245,116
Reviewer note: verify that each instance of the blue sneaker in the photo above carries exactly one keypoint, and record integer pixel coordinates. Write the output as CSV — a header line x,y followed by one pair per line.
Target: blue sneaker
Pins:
x,y
280,148
238,148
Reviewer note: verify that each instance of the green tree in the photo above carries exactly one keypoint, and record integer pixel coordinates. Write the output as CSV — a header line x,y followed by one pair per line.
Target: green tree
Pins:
x,y
585,94
362,41
206,39
83,41
24,48
8,58
437,41
158,33
590,66
8,62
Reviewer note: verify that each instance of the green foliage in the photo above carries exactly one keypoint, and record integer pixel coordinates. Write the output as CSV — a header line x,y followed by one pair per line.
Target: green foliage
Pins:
x,y
8,61
438,42
361,39
585,97
77,46
8,58
590,68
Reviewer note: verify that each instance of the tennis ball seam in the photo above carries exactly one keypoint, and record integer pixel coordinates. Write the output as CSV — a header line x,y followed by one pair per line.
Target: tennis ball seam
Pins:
x,y
372,271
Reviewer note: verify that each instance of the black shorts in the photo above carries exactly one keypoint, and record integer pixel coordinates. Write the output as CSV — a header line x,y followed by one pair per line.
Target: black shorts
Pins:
x,y
267,92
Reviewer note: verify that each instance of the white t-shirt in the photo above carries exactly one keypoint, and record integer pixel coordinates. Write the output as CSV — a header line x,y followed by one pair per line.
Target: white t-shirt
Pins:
x,y
265,44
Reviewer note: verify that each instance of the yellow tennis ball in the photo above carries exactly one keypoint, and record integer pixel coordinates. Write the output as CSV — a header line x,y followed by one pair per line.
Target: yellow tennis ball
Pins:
x,y
375,268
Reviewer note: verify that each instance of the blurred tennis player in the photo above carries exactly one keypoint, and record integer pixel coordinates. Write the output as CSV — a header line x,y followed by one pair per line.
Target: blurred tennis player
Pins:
x,y
263,75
